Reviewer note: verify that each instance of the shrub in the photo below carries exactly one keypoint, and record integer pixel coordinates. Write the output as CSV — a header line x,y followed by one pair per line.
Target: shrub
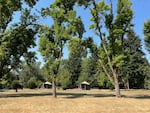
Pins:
x,y
32,83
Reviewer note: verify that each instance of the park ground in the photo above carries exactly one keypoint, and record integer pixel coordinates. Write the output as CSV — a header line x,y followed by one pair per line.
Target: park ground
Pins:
x,y
74,101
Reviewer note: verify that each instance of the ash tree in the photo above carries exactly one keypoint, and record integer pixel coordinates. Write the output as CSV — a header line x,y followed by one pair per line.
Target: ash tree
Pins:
x,y
53,38
111,28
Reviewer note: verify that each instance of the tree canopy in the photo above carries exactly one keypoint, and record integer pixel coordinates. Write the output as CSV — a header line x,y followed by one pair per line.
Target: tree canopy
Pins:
x,y
18,38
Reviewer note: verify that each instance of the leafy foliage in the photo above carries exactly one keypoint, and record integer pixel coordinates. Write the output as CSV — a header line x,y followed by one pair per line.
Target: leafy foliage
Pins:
x,y
134,68
147,79
32,83
146,31
76,52
7,9
15,84
30,71
111,28
53,39
104,82
14,40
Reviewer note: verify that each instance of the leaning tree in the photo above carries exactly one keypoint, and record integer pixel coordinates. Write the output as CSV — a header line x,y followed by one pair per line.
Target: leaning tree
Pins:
x,y
110,27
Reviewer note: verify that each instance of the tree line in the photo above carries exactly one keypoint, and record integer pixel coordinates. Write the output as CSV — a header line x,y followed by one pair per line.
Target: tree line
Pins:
x,y
116,62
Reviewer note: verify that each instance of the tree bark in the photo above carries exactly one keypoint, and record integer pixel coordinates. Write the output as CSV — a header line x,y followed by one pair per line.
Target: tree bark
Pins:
x,y
54,89
117,87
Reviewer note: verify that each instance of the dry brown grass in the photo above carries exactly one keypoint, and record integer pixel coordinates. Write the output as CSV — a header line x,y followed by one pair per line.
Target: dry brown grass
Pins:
x,y
74,101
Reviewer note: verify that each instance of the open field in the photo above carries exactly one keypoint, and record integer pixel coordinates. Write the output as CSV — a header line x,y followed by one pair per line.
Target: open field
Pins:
x,y
74,101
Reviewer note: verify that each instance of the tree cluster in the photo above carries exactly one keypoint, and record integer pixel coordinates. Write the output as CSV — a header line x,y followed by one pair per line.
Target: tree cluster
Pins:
x,y
116,62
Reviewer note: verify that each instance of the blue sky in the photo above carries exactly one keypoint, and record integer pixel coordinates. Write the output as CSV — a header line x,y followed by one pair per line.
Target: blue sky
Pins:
x,y
141,10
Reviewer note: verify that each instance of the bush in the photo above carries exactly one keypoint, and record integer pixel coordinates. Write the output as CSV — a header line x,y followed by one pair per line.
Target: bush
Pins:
x,y
32,83
15,84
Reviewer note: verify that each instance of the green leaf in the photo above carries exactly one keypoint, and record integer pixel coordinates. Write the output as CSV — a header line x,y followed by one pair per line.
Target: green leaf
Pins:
x,y
92,26
118,60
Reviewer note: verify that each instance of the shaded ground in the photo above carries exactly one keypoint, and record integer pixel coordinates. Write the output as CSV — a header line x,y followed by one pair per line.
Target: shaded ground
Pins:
x,y
74,101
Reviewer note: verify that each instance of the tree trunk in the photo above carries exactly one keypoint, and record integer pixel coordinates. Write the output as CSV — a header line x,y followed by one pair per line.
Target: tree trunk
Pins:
x,y
16,89
128,86
113,70
117,87
54,89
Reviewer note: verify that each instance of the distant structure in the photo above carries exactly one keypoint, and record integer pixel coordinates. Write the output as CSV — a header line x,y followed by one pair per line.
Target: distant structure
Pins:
x,y
47,85
85,85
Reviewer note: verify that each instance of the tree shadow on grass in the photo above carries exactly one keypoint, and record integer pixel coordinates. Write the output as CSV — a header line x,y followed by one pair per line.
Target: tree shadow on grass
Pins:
x,y
102,95
23,95
70,95
138,96
80,95
61,94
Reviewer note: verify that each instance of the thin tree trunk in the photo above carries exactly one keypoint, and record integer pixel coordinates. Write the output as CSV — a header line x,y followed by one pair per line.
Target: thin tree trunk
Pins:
x,y
16,89
128,86
54,89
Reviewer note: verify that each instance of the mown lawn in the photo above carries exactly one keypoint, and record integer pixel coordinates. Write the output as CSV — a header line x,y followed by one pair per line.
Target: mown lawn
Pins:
x,y
74,101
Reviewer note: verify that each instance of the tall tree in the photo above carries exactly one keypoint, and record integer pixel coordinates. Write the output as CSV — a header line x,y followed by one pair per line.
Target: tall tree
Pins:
x,y
89,72
65,26
111,29
133,70
93,61
76,52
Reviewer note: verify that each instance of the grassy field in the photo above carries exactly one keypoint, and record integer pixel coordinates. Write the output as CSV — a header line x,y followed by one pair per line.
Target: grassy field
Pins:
x,y
74,101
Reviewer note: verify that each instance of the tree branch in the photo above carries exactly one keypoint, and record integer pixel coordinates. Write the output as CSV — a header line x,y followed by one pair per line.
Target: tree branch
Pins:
x,y
106,72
